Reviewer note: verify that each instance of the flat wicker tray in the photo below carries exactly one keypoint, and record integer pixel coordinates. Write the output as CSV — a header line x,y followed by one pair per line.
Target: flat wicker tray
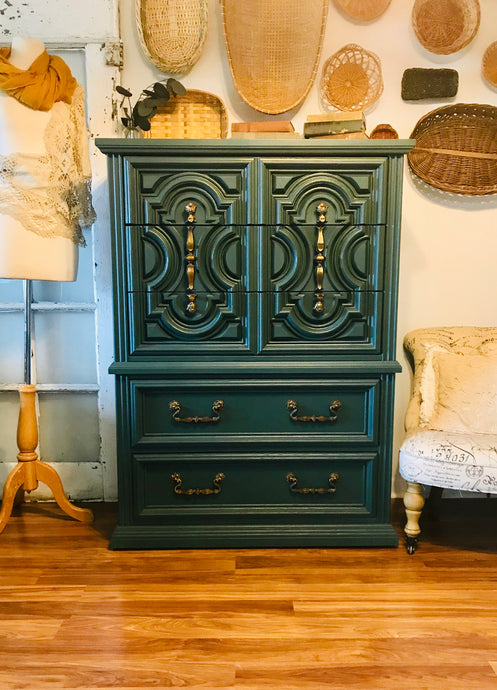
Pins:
x,y
456,149
445,26
273,49
198,115
172,32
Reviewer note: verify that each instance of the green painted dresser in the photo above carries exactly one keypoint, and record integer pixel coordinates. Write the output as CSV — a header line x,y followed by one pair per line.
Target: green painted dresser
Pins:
x,y
255,297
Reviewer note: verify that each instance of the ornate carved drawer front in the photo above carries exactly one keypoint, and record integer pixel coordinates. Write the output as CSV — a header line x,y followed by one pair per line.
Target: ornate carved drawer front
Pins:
x,y
235,412
209,488
187,235
326,247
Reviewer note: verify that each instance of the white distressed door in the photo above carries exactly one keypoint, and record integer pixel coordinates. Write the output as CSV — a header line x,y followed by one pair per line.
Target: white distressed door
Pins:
x,y
72,322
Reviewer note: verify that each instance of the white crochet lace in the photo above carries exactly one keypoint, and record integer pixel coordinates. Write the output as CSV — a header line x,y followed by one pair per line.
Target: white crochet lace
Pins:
x,y
51,194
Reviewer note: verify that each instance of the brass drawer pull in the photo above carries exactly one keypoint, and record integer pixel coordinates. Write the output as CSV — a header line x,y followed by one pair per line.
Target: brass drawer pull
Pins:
x,y
216,482
332,479
320,257
191,258
291,405
175,408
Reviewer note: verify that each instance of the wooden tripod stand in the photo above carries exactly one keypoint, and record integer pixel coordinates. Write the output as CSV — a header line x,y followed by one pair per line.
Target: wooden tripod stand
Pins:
x,y
30,469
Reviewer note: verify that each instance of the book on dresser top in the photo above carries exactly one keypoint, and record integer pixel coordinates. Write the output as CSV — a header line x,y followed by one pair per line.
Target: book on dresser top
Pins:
x,y
329,124
266,135
263,126
342,135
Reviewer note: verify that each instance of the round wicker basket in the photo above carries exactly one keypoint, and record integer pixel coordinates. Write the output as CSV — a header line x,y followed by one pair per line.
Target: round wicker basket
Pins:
x,y
363,10
445,26
273,49
172,32
456,149
489,64
351,79
384,131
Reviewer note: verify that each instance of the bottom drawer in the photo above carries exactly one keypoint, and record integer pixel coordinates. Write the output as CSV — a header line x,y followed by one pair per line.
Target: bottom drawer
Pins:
x,y
264,500
216,489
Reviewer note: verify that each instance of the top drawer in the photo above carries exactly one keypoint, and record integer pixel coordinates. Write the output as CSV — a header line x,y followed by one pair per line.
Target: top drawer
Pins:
x,y
242,411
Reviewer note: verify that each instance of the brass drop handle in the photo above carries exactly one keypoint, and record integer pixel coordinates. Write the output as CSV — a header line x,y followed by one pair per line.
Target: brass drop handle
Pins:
x,y
293,480
216,482
175,408
292,406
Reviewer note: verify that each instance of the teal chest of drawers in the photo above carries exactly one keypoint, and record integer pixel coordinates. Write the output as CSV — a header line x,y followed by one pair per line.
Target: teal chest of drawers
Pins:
x,y
255,299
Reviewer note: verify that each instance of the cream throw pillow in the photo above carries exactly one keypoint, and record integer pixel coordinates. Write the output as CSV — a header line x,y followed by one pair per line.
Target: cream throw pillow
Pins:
x,y
466,398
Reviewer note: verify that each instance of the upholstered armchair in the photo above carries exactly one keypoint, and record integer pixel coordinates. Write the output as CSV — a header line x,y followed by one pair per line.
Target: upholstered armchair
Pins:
x,y
451,419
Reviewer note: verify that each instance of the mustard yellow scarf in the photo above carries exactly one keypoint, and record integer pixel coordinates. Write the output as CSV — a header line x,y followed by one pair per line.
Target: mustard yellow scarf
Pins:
x,y
47,81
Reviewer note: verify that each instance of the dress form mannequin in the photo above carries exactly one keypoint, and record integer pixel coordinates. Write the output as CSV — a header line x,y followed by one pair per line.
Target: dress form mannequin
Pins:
x,y
24,254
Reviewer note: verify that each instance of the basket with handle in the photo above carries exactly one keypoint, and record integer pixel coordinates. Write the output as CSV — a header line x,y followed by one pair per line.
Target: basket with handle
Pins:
x,y
456,149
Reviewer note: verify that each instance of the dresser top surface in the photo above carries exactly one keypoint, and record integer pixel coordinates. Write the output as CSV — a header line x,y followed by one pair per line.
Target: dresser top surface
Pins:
x,y
257,147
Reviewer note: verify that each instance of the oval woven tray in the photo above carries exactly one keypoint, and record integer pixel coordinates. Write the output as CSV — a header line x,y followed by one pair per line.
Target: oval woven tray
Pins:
x,y
198,115
445,26
273,49
172,32
363,10
351,79
456,149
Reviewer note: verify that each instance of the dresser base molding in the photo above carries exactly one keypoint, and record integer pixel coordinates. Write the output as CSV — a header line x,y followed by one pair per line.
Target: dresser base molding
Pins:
x,y
252,536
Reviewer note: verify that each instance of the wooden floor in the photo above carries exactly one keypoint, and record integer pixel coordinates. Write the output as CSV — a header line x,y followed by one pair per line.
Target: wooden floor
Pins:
x,y
75,615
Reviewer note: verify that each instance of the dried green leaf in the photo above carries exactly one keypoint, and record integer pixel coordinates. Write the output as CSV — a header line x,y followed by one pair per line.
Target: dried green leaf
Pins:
x,y
124,92
175,87
145,108
142,123
161,90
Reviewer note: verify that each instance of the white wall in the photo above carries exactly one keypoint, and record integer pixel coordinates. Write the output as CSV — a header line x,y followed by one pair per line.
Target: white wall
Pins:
x,y
449,242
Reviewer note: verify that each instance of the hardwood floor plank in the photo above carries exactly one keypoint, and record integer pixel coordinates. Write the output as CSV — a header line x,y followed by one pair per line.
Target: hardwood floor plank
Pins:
x,y
74,614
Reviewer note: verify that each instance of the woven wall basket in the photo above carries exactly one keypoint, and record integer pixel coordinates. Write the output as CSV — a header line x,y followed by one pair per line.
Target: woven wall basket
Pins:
x,y
363,10
198,115
172,32
489,64
273,49
456,149
445,26
351,79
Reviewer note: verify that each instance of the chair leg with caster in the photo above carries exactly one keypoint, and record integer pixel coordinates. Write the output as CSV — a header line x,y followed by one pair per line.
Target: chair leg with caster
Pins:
x,y
413,502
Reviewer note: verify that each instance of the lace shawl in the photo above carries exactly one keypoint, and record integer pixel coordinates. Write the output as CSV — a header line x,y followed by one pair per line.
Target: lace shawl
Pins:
x,y
50,194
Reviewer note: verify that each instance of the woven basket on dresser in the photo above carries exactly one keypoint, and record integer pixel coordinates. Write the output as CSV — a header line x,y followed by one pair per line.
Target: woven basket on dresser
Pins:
x,y
273,49
456,149
198,115
351,79
363,10
172,32
445,26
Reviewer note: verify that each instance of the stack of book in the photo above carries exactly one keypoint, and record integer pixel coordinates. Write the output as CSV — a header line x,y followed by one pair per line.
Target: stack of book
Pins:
x,y
340,125
272,129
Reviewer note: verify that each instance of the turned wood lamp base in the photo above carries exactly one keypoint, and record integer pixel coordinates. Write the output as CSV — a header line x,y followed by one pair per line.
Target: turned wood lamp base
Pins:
x,y
30,470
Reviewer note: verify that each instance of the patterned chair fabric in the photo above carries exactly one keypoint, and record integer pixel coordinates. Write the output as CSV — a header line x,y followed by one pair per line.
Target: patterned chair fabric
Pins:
x,y
451,420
